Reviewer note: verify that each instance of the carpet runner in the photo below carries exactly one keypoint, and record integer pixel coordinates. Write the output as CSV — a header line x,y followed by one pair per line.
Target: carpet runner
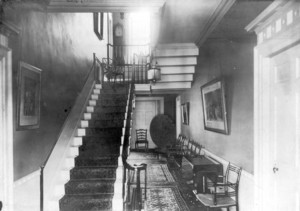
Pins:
x,y
157,175
164,199
91,185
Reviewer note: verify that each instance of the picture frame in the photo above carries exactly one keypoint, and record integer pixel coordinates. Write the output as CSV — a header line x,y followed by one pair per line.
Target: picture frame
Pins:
x,y
185,107
214,106
98,24
28,97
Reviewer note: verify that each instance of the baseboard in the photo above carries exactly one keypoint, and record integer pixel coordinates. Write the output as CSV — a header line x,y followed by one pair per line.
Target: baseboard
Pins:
x,y
27,192
246,190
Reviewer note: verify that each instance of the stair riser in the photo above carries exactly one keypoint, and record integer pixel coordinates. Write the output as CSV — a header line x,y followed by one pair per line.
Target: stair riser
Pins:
x,y
99,152
101,131
95,162
111,92
108,116
110,102
104,123
71,203
87,141
93,173
97,146
115,96
88,187
110,109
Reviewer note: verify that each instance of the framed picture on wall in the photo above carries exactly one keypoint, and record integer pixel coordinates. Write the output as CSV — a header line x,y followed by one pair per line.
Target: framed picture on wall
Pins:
x,y
98,24
29,92
214,106
185,107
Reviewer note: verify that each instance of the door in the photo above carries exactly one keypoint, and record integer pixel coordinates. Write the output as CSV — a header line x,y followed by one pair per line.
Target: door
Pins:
x,y
178,116
278,147
285,130
6,129
145,110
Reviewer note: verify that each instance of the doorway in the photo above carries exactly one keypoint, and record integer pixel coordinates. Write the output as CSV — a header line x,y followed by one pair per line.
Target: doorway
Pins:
x,y
277,143
146,109
6,128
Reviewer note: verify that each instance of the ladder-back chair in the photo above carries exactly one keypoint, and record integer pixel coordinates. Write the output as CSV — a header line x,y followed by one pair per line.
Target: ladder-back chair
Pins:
x,y
223,194
141,139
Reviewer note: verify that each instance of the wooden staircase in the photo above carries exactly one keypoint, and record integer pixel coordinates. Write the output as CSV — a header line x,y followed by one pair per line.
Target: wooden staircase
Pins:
x,y
177,62
91,184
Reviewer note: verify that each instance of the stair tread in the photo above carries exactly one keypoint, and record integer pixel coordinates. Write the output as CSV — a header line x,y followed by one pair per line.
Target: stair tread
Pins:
x,y
92,180
91,184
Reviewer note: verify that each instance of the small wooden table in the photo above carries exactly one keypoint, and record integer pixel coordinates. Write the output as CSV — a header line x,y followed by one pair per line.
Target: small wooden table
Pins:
x,y
204,167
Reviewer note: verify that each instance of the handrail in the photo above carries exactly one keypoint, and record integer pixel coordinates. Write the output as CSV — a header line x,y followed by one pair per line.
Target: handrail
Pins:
x,y
132,60
86,78
91,71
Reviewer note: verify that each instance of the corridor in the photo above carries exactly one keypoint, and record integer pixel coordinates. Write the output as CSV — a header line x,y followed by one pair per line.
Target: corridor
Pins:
x,y
168,186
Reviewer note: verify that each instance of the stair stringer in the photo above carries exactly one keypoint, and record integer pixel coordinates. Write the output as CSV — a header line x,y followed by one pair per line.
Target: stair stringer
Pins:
x,y
176,62
66,149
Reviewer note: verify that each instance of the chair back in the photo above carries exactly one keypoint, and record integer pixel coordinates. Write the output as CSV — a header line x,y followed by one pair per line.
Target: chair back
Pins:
x,y
232,175
141,134
232,179
198,148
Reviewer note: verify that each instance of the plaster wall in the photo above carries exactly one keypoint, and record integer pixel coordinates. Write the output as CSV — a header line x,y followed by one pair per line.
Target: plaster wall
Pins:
x,y
62,45
233,61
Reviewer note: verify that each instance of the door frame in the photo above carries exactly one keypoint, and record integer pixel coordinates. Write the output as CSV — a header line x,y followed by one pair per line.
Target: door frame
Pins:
x,y
178,115
160,103
6,128
269,45
159,99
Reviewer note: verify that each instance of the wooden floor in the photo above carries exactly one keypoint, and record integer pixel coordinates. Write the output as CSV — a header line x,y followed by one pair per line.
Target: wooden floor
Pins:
x,y
181,175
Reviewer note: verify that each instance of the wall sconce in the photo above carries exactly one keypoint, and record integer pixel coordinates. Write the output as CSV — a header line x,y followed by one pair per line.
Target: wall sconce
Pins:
x,y
153,74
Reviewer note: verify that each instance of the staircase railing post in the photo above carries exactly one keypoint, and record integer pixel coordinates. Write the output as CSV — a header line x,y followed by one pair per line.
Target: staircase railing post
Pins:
x,y
42,188
108,51
94,67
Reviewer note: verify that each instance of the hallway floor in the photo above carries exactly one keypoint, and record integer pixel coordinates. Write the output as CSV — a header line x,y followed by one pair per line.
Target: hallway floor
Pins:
x,y
180,179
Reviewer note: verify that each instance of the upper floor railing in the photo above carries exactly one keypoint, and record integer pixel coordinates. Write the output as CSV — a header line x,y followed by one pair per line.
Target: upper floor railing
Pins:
x,y
132,61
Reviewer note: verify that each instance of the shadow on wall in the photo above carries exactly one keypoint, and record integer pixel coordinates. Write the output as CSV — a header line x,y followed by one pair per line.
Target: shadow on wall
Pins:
x,y
62,45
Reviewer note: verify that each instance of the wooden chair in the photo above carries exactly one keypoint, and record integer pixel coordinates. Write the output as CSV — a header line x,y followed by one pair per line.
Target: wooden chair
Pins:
x,y
141,138
176,146
223,194
112,69
179,151
135,198
193,150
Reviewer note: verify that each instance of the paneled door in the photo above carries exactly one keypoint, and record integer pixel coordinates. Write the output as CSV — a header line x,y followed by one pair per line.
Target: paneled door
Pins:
x,y
145,110
6,129
278,145
285,128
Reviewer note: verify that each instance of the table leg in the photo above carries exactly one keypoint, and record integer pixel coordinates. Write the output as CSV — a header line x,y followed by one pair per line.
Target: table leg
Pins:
x,y
199,182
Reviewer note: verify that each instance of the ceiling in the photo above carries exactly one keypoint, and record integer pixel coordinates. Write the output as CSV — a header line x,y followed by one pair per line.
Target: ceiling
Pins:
x,y
196,20
232,26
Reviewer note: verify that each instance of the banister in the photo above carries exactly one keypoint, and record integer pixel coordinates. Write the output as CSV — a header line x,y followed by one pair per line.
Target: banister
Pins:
x,y
92,70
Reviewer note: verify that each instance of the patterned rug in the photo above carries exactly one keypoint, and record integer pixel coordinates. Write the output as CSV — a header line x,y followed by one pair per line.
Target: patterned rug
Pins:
x,y
164,199
157,174
142,156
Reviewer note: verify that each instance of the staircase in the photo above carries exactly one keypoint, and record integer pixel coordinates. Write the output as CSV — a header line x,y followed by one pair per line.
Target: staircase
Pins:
x,y
91,184
177,63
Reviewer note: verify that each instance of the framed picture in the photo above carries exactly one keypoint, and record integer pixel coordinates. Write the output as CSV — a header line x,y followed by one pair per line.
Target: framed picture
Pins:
x,y
28,102
185,107
98,24
214,106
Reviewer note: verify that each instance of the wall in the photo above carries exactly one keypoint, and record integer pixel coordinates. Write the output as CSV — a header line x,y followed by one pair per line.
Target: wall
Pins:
x,y
232,60
62,46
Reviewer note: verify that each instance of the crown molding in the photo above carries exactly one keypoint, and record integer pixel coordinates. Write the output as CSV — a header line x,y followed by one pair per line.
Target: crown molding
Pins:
x,y
215,19
104,5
